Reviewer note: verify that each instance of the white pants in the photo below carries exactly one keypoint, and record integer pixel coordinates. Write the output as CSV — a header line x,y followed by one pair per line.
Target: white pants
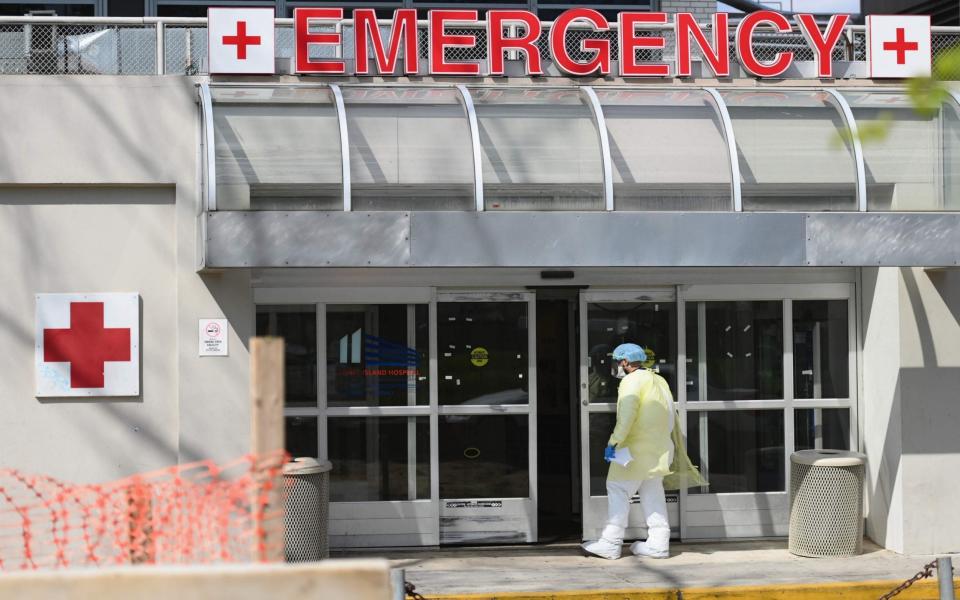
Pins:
x,y
653,502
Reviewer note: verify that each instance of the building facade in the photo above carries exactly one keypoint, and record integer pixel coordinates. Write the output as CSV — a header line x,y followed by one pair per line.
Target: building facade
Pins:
x,y
452,260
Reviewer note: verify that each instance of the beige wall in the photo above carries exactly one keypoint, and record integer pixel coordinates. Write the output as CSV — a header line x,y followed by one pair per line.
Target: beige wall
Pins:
x,y
911,407
99,192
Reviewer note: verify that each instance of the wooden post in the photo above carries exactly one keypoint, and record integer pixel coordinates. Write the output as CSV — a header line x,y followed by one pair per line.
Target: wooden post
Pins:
x,y
266,430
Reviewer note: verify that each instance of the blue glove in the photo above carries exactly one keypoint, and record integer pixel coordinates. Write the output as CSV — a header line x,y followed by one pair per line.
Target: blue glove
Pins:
x,y
609,452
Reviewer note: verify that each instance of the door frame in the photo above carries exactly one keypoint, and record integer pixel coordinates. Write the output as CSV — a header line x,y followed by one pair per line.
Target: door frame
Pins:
x,y
366,523
705,514
594,508
516,512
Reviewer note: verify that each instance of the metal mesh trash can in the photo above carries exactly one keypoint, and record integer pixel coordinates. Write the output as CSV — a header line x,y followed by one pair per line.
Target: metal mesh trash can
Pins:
x,y
307,485
826,503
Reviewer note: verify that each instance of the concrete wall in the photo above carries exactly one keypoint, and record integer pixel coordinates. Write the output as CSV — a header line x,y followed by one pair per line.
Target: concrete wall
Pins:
x,y
339,579
99,191
911,407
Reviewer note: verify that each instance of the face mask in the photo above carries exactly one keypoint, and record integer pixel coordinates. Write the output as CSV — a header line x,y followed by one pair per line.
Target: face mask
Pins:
x,y
619,373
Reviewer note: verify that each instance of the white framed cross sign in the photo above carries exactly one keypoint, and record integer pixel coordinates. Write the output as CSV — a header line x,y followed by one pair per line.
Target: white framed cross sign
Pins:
x,y
241,41
898,46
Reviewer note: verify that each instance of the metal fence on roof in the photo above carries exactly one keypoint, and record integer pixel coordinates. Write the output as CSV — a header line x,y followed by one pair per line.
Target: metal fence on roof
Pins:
x,y
149,46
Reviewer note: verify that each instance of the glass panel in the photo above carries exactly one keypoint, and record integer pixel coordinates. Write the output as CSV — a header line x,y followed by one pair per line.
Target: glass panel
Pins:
x,y
301,436
379,458
744,350
297,325
483,350
410,149
484,456
790,151
821,428
377,355
744,450
654,138
820,349
652,325
905,168
276,149
601,426
951,157
541,150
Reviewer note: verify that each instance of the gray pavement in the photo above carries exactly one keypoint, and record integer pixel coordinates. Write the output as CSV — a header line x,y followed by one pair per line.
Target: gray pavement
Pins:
x,y
563,567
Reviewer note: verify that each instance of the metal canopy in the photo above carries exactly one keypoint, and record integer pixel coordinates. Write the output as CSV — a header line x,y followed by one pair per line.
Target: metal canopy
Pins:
x,y
482,175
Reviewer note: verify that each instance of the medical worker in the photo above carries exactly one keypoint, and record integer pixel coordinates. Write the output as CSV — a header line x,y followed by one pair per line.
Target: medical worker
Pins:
x,y
645,421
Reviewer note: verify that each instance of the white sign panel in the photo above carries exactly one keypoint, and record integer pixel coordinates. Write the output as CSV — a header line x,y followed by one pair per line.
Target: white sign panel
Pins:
x,y
241,41
213,337
898,46
88,345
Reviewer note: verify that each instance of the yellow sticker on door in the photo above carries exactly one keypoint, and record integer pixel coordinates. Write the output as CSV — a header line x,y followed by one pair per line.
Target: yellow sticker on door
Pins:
x,y
479,356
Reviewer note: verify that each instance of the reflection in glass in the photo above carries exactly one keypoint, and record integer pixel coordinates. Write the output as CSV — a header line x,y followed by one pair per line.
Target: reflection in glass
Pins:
x,y
821,428
301,436
484,456
377,355
790,151
410,149
273,149
657,176
540,149
297,325
914,167
374,461
482,353
652,325
601,426
744,350
820,349
744,450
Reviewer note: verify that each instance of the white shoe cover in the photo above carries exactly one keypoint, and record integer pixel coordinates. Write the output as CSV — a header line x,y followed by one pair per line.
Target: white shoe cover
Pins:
x,y
657,544
603,548
641,549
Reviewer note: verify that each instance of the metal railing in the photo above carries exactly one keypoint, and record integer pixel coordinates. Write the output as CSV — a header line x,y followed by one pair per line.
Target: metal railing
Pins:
x,y
178,46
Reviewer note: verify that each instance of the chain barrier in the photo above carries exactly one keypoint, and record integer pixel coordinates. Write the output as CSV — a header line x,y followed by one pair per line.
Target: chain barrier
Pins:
x,y
411,591
926,573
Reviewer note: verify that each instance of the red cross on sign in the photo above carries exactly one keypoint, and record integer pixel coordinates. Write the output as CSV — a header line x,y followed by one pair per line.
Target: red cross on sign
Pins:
x,y
241,40
901,46
87,345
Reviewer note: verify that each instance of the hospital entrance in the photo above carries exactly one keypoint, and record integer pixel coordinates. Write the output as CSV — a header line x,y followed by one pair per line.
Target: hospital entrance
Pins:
x,y
479,416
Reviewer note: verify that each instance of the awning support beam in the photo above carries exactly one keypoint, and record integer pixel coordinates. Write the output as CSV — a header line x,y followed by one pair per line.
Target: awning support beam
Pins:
x,y
724,115
344,146
467,100
851,124
209,153
591,99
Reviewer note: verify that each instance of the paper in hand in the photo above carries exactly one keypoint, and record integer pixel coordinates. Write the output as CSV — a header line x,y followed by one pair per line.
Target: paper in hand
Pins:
x,y
622,456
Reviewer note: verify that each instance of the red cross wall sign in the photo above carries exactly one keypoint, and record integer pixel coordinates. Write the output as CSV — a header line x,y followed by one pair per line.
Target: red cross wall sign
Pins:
x,y
898,46
241,41
88,345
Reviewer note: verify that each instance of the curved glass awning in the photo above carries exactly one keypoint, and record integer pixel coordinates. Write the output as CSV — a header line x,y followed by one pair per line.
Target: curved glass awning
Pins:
x,y
385,147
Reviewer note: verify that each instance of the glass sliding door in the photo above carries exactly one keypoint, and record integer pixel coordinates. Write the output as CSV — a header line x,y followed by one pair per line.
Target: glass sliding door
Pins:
x,y
769,370
487,417
607,319
358,394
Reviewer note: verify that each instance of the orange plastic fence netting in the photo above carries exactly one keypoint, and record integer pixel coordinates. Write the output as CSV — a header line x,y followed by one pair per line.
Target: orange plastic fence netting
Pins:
x,y
192,513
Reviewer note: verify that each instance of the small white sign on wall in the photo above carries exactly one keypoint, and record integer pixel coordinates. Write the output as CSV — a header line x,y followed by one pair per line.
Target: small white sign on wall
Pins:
x,y
213,337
